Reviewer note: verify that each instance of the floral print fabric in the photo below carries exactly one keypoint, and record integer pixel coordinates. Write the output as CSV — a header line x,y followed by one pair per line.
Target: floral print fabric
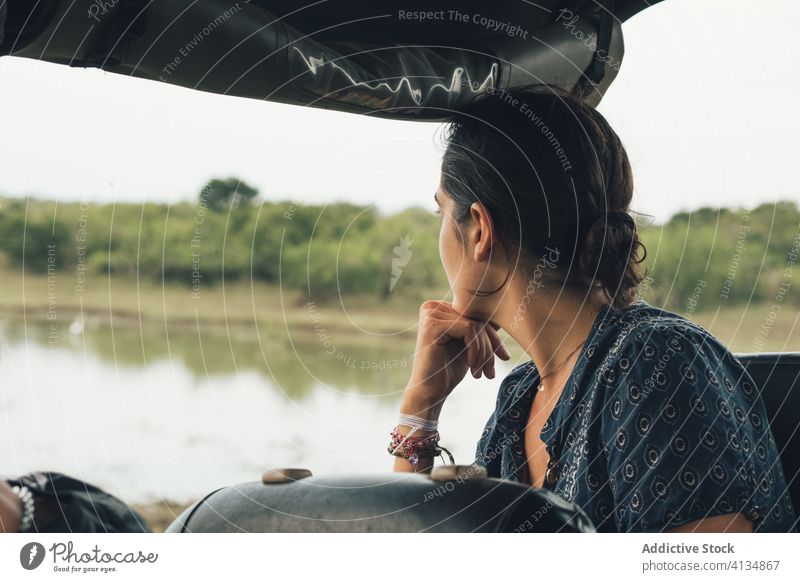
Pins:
x,y
658,425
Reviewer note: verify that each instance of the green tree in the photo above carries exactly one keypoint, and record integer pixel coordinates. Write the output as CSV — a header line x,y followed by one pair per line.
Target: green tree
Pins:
x,y
222,194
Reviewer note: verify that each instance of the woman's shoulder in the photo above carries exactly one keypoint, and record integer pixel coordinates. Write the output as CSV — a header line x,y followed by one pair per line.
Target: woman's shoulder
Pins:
x,y
659,351
641,316
635,335
651,331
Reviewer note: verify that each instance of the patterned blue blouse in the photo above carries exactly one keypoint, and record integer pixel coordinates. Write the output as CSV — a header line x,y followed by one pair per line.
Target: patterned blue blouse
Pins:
x,y
658,425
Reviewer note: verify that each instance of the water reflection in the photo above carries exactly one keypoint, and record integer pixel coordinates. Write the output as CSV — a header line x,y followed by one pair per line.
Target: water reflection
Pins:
x,y
297,361
148,411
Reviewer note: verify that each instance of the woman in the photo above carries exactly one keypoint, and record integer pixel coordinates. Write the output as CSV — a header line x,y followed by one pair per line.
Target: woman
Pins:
x,y
636,414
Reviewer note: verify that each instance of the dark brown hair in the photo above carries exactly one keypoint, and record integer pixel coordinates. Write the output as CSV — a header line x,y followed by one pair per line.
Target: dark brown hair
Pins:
x,y
553,175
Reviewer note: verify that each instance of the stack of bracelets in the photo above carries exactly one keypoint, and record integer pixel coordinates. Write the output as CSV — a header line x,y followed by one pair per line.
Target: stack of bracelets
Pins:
x,y
413,448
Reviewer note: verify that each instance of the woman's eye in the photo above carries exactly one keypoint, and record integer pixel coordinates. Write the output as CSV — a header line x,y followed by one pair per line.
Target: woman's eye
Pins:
x,y
437,212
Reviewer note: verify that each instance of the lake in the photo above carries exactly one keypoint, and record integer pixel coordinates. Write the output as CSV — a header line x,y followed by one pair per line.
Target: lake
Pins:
x,y
149,411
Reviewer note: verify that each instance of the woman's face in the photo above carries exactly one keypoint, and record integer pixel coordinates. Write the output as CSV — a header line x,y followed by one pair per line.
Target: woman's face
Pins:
x,y
465,250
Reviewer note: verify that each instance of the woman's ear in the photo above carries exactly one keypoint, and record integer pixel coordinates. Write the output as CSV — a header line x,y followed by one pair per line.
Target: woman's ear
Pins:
x,y
481,233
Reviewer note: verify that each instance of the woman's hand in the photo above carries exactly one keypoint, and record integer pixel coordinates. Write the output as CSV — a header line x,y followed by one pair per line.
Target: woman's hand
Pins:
x,y
448,344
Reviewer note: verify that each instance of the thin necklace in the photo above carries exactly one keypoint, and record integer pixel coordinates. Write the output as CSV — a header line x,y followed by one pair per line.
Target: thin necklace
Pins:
x,y
540,387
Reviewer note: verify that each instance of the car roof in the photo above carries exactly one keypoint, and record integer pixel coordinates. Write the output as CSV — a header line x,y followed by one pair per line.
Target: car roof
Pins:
x,y
416,60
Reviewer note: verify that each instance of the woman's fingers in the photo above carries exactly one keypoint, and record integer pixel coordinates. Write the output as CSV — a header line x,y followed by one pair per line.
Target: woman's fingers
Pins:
x,y
449,328
472,345
481,340
485,353
445,326
442,307
497,344
469,344
477,352
488,366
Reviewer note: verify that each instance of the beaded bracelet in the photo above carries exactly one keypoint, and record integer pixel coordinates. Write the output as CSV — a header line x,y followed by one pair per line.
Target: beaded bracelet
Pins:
x,y
412,448
28,506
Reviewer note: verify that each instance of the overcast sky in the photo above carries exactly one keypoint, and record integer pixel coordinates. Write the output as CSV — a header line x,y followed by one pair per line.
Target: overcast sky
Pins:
x,y
706,102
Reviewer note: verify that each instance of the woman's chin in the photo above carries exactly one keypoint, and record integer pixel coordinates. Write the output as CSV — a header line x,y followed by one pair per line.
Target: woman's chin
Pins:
x,y
470,309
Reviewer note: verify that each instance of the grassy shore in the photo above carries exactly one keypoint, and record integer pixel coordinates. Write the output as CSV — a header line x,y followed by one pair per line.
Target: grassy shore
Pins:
x,y
125,300
244,304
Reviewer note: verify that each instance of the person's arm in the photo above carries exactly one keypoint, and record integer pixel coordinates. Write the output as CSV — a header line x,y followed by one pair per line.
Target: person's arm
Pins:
x,y
677,451
728,523
10,509
448,345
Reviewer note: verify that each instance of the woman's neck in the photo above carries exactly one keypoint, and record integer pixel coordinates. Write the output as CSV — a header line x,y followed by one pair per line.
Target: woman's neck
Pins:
x,y
551,326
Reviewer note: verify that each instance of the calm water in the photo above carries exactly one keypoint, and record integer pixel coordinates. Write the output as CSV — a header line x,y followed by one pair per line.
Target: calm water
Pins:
x,y
148,413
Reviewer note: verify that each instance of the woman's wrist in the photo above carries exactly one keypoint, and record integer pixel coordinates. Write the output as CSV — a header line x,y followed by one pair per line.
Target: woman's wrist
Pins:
x,y
422,403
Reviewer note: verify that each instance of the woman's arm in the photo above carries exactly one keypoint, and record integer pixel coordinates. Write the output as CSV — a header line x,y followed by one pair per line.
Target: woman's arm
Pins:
x,y
448,344
684,441
728,523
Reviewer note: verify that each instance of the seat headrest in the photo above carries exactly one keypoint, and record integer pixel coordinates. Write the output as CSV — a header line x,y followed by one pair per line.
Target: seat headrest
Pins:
x,y
777,377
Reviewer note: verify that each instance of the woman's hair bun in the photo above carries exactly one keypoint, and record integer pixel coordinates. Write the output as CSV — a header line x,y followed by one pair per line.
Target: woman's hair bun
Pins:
x,y
610,256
